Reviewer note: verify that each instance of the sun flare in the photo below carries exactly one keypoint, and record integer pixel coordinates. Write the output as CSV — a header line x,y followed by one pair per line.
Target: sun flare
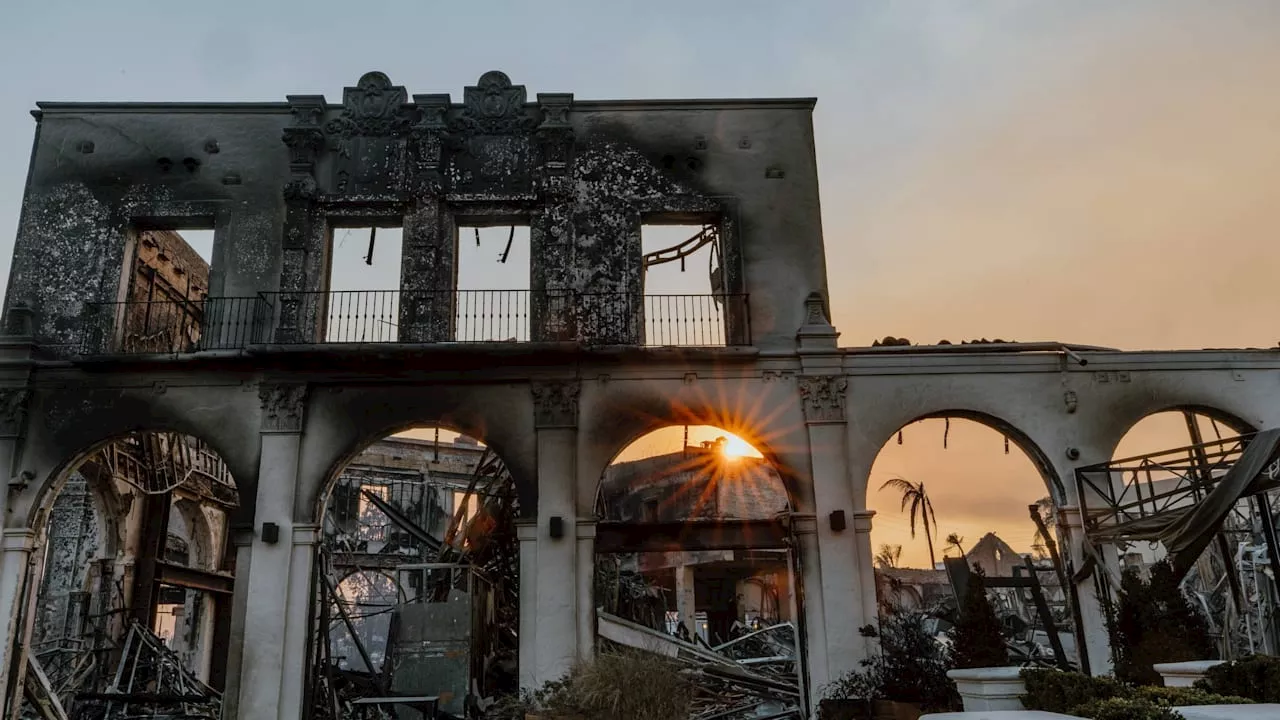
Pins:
x,y
736,447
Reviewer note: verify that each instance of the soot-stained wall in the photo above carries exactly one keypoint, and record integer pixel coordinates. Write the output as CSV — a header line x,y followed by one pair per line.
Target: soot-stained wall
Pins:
x,y
273,179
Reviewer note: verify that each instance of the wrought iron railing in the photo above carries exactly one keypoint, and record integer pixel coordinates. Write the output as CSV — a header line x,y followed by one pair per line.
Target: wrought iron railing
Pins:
x,y
182,326
393,316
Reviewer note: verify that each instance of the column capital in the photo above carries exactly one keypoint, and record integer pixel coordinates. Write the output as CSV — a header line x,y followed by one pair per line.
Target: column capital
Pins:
x,y
283,406
823,397
862,520
241,535
804,523
586,529
526,530
13,411
555,403
306,534
18,539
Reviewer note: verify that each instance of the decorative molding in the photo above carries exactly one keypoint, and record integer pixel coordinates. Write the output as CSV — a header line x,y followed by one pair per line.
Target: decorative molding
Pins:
x,y
771,376
18,540
493,106
374,107
282,406
13,411
306,534
555,403
823,397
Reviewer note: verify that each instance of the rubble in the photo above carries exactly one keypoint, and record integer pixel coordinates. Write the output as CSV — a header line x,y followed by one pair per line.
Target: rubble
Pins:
x,y
752,676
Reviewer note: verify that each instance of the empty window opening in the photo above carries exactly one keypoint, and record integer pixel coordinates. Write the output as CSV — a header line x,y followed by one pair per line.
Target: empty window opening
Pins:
x,y
201,242
683,285
363,302
492,303
165,283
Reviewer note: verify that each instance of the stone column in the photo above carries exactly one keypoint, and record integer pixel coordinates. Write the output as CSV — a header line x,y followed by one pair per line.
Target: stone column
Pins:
x,y
586,555
841,576
527,533
687,599
242,538
866,566
264,650
297,625
811,602
1093,616
17,544
556,416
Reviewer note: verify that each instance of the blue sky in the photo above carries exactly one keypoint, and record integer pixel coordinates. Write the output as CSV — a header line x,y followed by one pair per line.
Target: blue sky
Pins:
x,y
1084,170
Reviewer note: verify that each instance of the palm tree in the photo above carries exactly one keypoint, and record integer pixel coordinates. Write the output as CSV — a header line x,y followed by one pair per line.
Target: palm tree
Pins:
x,y
913,494
887,556
953,541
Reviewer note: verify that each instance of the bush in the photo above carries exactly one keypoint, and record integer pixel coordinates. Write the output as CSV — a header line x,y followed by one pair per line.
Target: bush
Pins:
x,y
1256,677
1103,698
623,683
910,668
1154,623
1118,708
976,640
1062,692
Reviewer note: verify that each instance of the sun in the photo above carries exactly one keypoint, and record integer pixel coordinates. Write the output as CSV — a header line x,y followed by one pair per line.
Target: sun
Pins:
x,y
736,447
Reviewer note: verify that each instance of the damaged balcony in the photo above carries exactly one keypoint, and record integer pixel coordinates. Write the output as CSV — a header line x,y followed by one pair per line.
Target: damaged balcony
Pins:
x,y
402,317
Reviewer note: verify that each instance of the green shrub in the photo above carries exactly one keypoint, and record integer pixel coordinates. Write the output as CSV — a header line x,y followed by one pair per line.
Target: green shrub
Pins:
x,y
1118,708
1256,677
1154,623
910,668
976,640
1182,696
1062,692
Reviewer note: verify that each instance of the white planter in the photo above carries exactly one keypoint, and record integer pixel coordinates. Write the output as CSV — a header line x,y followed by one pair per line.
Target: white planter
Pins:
x,y
1184,674
996,688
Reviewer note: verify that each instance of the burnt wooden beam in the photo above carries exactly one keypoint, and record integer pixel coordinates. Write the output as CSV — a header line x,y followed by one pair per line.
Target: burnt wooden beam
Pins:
x,y
620,537
191,578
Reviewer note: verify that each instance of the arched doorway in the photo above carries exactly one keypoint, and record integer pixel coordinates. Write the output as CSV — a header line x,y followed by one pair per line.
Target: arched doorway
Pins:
x,y
954,490
417,588
130,589
691,543
1174,462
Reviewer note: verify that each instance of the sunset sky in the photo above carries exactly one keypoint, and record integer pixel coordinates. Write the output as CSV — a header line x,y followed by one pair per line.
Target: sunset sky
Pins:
x,y
1090,171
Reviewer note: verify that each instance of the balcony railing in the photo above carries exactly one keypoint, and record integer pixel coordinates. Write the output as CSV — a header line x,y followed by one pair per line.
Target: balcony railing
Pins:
x,y
183,326
392,316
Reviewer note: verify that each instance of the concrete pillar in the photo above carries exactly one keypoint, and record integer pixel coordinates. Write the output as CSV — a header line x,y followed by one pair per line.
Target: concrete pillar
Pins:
x,y
586,555
686,599
841,578
242,538
265,649
1093,617
527,534
557,590
556,644
297,620
15,560
812,602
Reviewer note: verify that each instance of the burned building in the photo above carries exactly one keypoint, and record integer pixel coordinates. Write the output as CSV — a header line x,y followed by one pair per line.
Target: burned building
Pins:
x,y
287,375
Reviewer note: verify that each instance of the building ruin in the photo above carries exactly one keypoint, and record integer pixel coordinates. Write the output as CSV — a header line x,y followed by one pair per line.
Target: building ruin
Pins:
x,y
241,393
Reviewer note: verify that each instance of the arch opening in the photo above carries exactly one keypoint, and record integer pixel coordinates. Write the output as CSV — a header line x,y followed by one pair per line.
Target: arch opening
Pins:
x,y
1186,461
690,540
132,572
417,551
958,489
